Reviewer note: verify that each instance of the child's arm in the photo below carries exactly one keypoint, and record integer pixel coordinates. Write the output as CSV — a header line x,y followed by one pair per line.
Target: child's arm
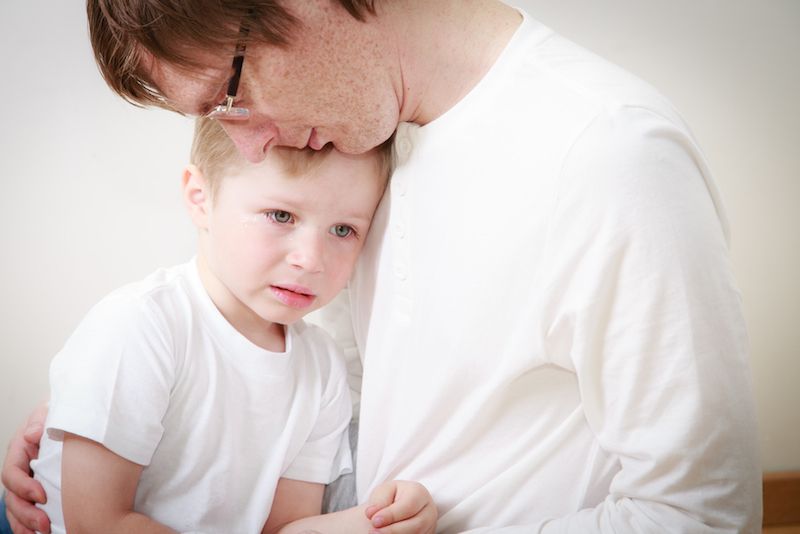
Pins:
x,y
98,489
396,507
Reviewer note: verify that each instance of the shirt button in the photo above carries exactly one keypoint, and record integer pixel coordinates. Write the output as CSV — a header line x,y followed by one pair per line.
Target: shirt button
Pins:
x,y
398,186
403,148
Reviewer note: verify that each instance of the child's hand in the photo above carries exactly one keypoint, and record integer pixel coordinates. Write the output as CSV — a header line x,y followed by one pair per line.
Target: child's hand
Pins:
x,y
401,507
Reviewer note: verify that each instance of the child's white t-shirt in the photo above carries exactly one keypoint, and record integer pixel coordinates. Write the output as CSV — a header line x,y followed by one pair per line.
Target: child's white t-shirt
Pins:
x,y
157,375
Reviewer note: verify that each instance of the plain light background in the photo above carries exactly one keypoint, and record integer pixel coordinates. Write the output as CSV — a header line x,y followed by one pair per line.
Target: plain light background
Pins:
x,y
89,198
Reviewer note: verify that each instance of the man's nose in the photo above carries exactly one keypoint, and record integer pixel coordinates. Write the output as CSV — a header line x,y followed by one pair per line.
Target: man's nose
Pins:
x,y
252,137
307,252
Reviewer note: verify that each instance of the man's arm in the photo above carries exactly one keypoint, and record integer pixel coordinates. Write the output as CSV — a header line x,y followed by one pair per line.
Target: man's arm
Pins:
x,y
22,490
653,328
396,507
98,489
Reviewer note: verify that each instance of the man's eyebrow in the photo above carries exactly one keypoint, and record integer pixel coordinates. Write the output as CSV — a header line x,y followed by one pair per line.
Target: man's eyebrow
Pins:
x,y
196,108
212,95
209,87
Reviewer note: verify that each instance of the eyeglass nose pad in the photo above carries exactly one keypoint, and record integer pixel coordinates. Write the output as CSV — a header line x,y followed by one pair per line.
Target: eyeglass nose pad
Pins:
x,y
223,112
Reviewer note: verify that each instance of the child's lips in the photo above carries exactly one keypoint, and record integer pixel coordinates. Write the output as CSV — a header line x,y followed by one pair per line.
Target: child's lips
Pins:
x,y
294,296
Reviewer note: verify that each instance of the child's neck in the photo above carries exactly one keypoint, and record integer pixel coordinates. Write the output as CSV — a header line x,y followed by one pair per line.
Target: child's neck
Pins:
x,y
265,334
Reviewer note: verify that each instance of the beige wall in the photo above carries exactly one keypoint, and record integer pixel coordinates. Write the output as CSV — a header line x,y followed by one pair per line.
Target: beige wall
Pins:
x,y
89,197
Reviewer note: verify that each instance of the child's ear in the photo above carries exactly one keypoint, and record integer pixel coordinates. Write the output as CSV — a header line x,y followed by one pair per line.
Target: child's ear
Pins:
x,y
196,195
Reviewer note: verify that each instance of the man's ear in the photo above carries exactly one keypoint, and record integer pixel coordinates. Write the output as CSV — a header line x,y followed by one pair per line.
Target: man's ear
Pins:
x,y
196,195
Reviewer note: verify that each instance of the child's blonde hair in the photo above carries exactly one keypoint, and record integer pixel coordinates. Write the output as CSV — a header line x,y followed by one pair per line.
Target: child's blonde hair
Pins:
x,y
215,155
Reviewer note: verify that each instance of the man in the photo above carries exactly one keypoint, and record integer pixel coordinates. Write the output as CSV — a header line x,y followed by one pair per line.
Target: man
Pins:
x,y
550,334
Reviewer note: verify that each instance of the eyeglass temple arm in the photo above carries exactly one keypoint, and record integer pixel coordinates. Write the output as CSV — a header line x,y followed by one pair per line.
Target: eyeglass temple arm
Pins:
x,y
233,83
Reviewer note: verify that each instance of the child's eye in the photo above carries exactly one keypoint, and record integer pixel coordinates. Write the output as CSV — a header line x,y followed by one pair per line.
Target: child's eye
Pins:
x,y
342,230
279,216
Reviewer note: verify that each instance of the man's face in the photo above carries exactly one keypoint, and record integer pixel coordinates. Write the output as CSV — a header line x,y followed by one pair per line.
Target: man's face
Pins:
x,y
330,85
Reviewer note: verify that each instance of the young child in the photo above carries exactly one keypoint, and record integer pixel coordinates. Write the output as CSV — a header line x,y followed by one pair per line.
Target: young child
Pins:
x,y
197,400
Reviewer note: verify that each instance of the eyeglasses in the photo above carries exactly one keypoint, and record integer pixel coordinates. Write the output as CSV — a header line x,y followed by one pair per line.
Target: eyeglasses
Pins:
x,y
228,111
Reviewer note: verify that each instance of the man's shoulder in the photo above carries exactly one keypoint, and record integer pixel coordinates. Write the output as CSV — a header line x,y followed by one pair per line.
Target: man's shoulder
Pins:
x,y
578,77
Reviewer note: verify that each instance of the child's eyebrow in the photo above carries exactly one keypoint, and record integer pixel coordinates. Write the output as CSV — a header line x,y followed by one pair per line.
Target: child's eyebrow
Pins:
x,y
360,222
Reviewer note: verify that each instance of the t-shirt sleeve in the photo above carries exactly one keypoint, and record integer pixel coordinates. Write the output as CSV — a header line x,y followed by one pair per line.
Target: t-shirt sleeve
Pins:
x,y
111,381
643,306
326,453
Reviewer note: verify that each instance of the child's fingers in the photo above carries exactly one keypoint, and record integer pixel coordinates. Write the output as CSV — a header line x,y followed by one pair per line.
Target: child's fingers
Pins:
x,y
423,522
382,497
409,499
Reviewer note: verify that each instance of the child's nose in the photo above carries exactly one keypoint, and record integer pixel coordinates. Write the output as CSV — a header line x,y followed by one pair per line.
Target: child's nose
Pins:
x,y
307,253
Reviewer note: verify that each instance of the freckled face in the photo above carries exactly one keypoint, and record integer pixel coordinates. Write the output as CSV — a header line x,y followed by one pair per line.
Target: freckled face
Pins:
x,y
331,84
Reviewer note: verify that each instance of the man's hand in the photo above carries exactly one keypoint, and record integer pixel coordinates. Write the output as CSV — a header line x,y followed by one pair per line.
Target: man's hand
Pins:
x,y
23,490
402,507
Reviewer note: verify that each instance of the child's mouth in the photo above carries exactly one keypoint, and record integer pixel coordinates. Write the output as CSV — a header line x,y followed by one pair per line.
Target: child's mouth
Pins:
x,y
293,296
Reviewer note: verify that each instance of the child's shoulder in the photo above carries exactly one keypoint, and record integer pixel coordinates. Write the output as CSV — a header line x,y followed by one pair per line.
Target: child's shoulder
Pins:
x,y
165,281
137,323
158,302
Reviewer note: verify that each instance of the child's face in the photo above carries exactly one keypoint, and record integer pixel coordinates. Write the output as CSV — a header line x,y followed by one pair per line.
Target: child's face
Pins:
x,y
277,247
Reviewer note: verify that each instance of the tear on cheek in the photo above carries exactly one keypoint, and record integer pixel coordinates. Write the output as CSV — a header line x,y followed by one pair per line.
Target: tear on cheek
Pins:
x,y
250,220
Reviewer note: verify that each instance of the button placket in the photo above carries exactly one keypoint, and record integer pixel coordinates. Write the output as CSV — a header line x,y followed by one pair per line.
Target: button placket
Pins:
x,y
403,147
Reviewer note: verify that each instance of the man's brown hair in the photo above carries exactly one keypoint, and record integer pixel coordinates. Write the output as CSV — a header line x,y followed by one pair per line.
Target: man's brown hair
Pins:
x,y
122,32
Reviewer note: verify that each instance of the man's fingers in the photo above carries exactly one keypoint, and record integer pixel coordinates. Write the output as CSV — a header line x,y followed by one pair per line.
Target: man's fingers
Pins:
x,y
17,478
19,483
16,474
25,516
33,433
34,426
23,490
16,526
